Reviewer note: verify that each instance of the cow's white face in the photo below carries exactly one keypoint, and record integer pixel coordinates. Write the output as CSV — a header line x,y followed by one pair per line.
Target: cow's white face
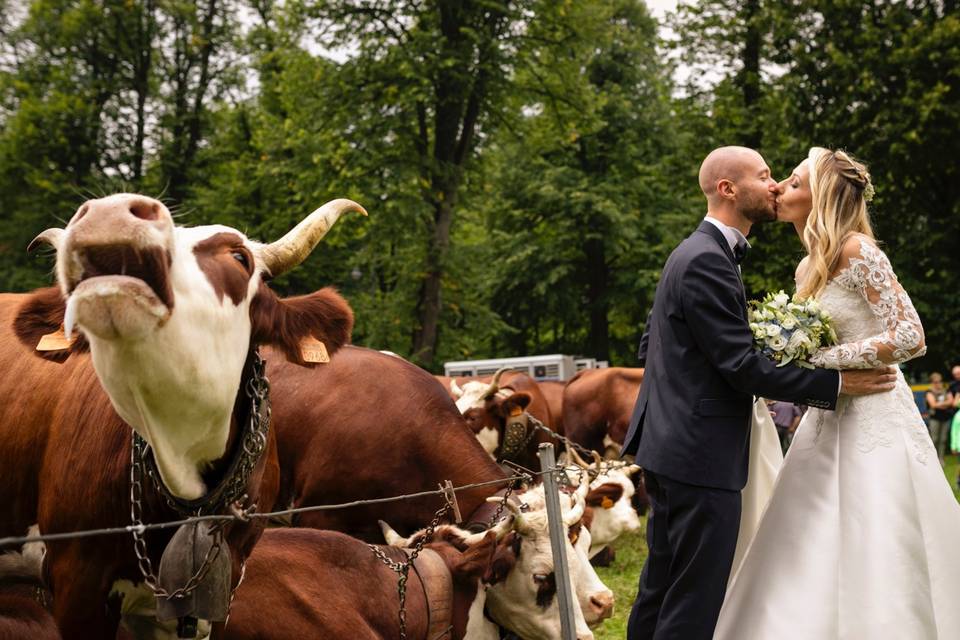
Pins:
x,y
526,600
167,312
612,517
596,600
610,497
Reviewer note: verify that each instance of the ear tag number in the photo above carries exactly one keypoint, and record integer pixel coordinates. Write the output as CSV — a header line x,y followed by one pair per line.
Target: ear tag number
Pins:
x,y
606,503
313,351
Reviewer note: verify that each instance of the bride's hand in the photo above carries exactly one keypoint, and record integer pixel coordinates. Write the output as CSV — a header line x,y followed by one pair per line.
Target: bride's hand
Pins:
x,y
862,382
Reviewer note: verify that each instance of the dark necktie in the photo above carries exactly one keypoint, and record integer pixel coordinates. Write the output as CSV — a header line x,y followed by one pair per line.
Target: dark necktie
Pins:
x,y
740,251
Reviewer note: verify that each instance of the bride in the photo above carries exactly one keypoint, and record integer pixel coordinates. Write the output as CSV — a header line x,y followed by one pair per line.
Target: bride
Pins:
x,y
861,537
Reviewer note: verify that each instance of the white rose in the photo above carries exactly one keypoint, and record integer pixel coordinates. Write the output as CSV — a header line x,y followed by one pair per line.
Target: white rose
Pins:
x,y
777,343
781,299
799,340
789,321
773,330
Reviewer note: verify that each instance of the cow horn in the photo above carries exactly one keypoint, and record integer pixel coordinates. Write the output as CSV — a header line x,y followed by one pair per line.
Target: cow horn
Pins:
x,y
495,383
52,236
580,462
455,389
573,516
502,528
597,458
518,522
286,253
631,469
392,538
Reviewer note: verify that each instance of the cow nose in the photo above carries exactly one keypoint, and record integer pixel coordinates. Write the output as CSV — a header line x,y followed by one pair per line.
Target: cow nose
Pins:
x,y
121,219
602,604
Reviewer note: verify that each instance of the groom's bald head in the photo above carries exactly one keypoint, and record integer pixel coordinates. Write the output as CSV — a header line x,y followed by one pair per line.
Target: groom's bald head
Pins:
x,y
726,163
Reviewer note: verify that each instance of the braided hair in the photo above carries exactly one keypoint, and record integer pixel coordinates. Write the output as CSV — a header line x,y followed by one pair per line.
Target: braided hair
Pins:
x,y
840,187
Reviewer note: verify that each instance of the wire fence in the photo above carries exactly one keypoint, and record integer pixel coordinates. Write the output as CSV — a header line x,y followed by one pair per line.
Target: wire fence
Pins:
x,y
522,475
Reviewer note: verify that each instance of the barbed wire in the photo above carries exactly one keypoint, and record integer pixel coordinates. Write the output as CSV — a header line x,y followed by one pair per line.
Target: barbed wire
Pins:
x,y
526,476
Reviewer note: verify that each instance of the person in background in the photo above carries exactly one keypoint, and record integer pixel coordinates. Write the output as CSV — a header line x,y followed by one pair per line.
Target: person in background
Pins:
x,y
939,405
786,416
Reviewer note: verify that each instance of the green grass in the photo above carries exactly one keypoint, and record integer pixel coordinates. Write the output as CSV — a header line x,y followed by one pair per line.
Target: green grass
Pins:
x,y
622,577
623,574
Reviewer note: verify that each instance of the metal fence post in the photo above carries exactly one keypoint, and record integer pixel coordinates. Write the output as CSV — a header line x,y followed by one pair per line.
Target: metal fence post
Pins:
x,y
558,542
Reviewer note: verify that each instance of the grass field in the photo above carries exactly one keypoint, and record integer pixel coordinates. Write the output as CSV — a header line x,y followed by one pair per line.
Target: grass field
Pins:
x,y
623,574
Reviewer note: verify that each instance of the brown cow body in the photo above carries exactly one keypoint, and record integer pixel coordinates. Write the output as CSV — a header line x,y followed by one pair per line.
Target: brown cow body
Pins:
x,y
597,404
397,433
324,584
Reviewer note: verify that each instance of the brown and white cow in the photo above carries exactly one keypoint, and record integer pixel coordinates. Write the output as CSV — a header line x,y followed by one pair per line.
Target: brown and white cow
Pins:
x,y
609,500
370,425
498,406
324,584
595,600
169,318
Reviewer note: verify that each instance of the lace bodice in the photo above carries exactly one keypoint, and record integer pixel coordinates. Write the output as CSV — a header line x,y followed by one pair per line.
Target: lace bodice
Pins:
x,y
875,320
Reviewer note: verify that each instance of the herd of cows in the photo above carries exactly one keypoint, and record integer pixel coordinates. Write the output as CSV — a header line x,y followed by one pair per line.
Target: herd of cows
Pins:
x,y
153,333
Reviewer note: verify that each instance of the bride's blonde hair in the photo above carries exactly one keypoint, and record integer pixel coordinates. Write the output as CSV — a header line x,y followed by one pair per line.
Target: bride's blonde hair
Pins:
x,y
840,188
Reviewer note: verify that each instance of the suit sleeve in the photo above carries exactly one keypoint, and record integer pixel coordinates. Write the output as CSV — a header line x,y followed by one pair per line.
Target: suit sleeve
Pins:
x,y
644,340
713,311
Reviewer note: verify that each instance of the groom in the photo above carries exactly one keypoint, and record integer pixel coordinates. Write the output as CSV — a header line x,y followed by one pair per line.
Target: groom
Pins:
x,y
690,429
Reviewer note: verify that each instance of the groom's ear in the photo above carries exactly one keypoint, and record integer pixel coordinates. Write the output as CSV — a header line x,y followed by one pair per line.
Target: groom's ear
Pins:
x,y
726,188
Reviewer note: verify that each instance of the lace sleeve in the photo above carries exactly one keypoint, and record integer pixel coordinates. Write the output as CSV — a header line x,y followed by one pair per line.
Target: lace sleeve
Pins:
x,y
870,273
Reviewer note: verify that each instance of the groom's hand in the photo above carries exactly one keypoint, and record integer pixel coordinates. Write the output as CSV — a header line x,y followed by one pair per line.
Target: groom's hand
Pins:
x,y
863,382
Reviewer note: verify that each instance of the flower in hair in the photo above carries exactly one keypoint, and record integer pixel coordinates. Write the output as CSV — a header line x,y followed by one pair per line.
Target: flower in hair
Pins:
x,y
868,192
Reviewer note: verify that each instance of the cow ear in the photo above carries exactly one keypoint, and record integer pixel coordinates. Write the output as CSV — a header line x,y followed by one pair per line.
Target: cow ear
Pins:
x,y
477,558
285,322
514,404
504,559
39,315
605,496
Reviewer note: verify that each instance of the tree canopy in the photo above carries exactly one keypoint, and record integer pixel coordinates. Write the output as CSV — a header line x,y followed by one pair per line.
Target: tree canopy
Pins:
x,y
528,164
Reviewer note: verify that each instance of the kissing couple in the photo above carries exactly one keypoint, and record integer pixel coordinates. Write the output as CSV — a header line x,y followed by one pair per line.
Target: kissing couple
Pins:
x,y
859,538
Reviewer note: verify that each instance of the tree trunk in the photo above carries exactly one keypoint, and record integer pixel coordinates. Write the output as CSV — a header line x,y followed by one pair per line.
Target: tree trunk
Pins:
x,y
749,79
598,276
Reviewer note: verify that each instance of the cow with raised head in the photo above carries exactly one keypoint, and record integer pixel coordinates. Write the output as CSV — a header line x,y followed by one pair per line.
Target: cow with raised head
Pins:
x,y
324,584
170,319
498,409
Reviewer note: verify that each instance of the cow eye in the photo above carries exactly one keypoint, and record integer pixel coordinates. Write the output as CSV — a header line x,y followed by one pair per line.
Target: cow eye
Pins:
x,y
241,257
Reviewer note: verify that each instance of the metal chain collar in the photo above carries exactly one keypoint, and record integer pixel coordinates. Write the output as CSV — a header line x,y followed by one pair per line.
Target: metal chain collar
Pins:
x,y
253,444
402,569
228,492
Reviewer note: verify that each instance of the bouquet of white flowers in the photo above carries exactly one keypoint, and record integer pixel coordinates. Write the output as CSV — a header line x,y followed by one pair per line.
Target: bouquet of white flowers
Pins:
x,y
789,330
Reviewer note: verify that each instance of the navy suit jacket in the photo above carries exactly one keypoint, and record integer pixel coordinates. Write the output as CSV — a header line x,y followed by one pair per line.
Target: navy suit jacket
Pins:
x,y
691,421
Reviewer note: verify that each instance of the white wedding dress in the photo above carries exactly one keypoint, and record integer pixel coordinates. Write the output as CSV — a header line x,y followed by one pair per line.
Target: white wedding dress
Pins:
x,y
861,537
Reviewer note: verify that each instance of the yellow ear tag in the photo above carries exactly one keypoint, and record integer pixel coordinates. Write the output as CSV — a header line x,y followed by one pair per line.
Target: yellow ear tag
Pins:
x,y
515,410
56,341
606,503
314,351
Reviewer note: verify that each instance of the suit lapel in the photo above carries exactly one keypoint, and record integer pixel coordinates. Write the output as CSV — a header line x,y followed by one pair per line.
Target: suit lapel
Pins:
x,y
717,235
